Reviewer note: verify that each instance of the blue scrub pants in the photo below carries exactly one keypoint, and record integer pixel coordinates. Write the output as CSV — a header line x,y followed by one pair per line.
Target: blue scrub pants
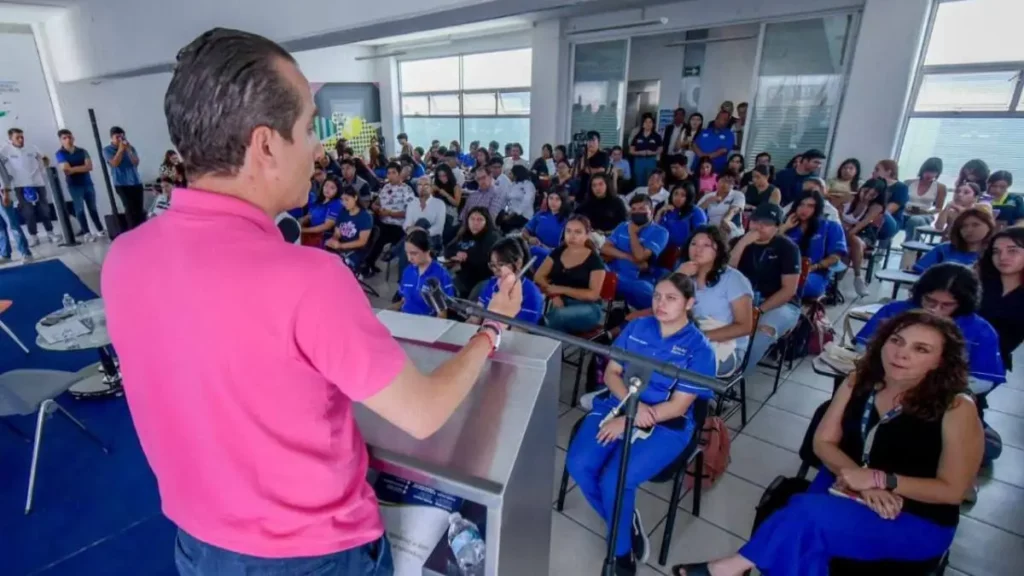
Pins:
x,y
801,539
10,219
574,317
638,292
596,468
642,168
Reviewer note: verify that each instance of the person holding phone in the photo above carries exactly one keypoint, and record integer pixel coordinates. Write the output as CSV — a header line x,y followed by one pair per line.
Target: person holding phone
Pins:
x,y
903,434
123,160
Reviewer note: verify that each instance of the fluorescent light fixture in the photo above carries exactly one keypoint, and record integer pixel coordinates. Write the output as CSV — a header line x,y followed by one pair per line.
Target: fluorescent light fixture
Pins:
x,y
629,25
708,41
379,56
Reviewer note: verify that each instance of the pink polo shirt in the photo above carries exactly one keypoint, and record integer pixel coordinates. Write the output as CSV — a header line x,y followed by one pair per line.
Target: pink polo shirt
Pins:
x,y
241,358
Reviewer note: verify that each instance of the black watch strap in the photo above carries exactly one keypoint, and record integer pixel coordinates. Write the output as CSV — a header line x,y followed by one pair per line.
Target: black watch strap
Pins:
x,y
890,481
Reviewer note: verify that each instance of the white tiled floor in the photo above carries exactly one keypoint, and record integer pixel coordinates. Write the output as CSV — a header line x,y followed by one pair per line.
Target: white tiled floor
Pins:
x,y
989,542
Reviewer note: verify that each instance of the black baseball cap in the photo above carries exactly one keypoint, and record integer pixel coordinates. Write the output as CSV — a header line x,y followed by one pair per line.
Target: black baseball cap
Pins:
x,y
768,212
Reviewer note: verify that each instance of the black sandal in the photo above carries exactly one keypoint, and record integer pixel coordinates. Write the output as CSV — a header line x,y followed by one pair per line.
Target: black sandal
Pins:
x,y
699,569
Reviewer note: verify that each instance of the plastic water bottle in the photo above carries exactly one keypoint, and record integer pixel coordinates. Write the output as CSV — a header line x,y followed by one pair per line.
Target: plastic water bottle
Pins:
x,y
466,544
68,302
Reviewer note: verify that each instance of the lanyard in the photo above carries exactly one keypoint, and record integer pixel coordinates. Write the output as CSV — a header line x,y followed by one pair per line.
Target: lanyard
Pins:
x,y
868,434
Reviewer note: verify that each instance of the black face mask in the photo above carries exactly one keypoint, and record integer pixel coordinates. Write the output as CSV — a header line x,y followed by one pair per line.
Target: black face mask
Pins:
x,y
640,218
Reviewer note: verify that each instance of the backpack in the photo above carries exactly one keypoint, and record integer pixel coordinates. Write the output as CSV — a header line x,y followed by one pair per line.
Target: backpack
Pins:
x,y
822,331
714,440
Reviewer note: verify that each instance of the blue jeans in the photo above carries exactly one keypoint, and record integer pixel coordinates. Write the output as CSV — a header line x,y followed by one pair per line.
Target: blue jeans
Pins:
x,y
596,468
642,168
575,316
10,218
911,224
815,527
196,558
85,197
780,320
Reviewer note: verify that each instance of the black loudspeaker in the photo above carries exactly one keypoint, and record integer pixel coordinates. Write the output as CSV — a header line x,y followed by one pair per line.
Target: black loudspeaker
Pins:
x,y
116,223
290,229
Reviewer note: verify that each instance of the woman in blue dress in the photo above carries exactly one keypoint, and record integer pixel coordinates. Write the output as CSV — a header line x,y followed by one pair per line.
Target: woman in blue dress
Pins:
x,y
968,238
666,410
421,268
323,214
544,231
822,241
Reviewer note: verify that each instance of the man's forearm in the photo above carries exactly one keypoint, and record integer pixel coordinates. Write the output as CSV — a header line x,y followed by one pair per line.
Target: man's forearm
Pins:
x,y
451,382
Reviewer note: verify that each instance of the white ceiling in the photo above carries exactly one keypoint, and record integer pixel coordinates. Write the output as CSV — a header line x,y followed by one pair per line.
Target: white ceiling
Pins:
x,y
38,11
496,26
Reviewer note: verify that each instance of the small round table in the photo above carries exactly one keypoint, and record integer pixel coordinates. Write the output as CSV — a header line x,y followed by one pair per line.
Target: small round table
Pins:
x,y
107,378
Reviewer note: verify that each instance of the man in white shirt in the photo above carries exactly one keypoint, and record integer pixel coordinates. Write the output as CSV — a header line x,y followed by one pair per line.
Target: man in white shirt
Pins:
x,y
655,189
426,212
514,158
389,211
501,181
26,167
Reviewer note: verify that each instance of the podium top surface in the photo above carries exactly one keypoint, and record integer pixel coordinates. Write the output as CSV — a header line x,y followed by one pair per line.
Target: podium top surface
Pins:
x,y
481,442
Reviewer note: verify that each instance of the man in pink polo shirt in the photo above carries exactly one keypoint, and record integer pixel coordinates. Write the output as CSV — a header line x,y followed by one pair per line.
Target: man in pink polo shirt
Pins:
x,y
241,380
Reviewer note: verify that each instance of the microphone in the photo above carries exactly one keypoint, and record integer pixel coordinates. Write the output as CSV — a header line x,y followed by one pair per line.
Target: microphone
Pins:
x,y
290,229
434,296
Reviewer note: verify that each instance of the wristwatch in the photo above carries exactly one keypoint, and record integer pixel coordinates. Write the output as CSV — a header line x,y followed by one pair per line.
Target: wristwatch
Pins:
x,y
890,481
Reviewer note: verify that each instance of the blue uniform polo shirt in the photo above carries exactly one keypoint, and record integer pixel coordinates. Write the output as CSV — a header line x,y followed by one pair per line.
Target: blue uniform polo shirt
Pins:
x,y
75,158
301,210
547,227
654,237
125,173
898,193
688,348
1010,209
681,227
412,287
984,359
944,253
828,239
533,300
712,139
321,212
649,143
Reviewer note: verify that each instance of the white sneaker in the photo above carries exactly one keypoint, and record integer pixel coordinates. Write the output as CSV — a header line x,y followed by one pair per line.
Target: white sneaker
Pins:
x,y
33,241
26,258
91,237
860,286
53,237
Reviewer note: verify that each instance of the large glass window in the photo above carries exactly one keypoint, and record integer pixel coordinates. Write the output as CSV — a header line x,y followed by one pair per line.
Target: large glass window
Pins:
x,y
481,97
599,89
968,91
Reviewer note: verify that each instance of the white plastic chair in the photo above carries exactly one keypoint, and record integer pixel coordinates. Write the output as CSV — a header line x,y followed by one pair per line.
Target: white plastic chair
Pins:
x,y
24,392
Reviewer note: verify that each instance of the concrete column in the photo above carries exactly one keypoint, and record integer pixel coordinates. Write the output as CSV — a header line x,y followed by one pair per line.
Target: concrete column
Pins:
x,y
550,82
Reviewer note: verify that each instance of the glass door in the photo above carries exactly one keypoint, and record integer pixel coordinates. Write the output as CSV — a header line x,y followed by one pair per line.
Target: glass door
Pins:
x,y
599,89
800,81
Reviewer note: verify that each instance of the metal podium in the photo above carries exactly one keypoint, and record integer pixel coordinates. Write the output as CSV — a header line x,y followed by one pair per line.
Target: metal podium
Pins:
x,y
498,448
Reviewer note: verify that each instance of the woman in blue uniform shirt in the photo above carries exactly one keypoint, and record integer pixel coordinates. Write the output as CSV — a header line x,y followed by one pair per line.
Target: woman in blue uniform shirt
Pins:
x,y
544,231
820,240
968,238
952,291
323,213
903,437
513,253
681,215
351,239
422,267
666,409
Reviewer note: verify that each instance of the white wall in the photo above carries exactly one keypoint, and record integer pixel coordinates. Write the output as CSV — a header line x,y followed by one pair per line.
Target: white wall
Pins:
x,y
337,64
24,98
650,59
728,70
881,76
550,71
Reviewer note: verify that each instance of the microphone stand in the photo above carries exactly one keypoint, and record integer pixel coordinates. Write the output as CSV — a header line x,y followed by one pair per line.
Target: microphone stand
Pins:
x,y
639,372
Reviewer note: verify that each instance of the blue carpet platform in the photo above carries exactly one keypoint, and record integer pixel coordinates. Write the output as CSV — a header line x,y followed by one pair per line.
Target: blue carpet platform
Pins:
x,y
94,514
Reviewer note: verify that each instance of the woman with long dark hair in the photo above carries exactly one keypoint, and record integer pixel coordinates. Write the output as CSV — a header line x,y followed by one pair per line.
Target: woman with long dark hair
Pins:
x,y
351,238
822,241
572,276
603,207
470,250
169,167
544,231
694,126
323,214
761,190
865,222
976,171
565,181
926,198
725,307
735,165
512,253
1001,269
847,180
966,195
901,441
681,215
968,238
545,165
1008,208
446,187
666,409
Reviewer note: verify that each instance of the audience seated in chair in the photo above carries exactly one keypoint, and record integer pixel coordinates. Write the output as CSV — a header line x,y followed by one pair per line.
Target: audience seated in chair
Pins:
x,y
968,238
1010,207
471,250
352,233
724,207
1001,269
903,436
967,195
572,277
654,189
389,209
489,194
447,189
421,268
603,207
323,213
633,248
925,198
865,223
820,240
952,291
665,411
544,231
521,195
771,261
724,308
761,190
513,253
681,215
